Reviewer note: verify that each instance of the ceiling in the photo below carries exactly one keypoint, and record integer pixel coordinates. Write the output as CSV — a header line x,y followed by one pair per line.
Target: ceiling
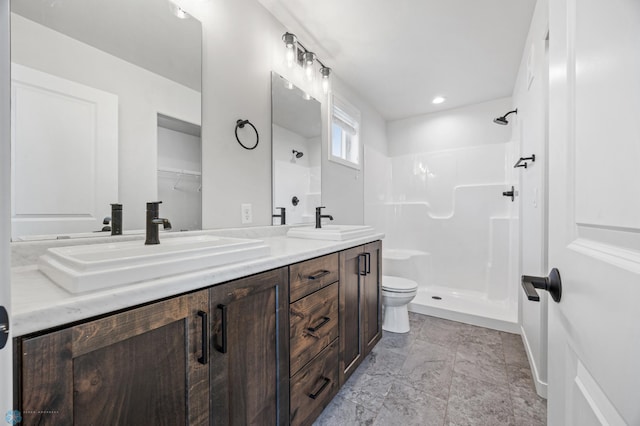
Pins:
x,y
143,32
400,54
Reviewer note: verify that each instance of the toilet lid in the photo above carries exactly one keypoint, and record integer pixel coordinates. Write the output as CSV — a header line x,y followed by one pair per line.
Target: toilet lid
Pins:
x,y
397,284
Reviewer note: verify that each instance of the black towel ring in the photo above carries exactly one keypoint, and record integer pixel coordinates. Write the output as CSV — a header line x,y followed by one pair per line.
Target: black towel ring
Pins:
x,y
240,124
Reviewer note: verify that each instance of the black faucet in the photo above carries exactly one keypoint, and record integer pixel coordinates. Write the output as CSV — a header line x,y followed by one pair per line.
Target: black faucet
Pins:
x,y
116,219
153,211
282,215
319,217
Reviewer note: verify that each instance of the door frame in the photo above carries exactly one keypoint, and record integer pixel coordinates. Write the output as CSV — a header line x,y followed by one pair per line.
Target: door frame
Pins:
x,y
6,354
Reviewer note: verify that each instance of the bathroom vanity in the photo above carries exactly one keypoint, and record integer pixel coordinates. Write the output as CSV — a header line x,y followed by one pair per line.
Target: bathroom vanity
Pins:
x,y
271,347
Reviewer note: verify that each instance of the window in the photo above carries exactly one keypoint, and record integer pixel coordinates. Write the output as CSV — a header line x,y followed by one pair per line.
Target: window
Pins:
x,y
345,133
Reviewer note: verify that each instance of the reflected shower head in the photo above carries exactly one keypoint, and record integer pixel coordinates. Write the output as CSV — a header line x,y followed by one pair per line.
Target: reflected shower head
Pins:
x,y
503,120
298,154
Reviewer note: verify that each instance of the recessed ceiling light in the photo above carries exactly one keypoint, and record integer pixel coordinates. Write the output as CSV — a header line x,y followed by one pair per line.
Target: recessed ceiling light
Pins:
x,y
438,100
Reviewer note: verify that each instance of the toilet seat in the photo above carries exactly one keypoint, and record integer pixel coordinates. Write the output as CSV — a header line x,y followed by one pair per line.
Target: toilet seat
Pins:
x,y
398,285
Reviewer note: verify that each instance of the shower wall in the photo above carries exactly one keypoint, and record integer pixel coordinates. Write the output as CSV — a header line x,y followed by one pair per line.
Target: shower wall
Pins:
x,y
438,199
450,205
299,177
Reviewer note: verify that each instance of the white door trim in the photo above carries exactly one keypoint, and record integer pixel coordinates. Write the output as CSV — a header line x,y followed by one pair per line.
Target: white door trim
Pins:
x,y
6,354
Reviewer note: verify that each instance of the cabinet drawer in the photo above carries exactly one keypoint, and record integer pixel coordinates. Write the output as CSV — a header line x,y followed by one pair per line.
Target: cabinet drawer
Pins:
x,y
314,386
314,324
311,275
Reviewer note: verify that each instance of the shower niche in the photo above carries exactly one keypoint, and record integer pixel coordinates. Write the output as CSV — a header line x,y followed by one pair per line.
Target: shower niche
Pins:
x,y
180,172
296,144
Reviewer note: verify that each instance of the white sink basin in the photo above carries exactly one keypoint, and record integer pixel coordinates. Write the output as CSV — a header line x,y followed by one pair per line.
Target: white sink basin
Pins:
x,y
331,232
95,266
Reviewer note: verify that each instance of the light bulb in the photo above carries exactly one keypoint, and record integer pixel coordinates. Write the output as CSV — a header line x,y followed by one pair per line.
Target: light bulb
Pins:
x,y
326,79
308,59
438,100
290,48
290,55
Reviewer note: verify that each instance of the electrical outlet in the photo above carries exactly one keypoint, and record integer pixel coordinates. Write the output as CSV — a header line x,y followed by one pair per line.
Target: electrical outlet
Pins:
x,y
247,214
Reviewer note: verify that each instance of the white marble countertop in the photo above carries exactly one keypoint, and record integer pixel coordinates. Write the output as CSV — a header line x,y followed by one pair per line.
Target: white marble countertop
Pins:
x,y
39,304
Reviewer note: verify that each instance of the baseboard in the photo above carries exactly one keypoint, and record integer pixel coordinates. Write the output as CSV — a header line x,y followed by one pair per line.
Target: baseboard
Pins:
x,y
541,387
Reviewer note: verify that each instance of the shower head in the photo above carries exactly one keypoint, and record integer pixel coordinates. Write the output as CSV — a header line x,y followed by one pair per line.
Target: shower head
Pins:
x,y
298,154
503,120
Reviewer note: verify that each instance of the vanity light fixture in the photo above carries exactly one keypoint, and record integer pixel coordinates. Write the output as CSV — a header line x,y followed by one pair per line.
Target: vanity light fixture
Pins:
x,y
438,100
296,52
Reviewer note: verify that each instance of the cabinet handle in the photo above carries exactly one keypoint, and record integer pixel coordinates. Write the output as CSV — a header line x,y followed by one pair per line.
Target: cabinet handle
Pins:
x,y
320,325
204,359
361,270
223,348
322,388
368,262
319,274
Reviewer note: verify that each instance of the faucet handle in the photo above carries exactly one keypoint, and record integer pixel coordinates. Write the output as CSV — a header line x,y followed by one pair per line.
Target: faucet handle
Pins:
x,y
318,209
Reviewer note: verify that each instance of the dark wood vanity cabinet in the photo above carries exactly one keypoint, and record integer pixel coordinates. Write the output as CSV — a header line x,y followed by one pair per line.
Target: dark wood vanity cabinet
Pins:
x,y
250,350
269,349
129,368
360,305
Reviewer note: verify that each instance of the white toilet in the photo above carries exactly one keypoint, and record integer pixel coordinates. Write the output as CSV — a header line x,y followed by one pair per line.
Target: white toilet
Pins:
x,y
396,294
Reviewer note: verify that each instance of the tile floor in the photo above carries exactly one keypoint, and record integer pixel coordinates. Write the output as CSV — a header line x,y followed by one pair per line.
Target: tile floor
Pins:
x,y
441,373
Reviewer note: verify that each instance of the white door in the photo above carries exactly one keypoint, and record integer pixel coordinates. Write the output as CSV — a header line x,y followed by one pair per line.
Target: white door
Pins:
x,y
64,154
6,381
594,212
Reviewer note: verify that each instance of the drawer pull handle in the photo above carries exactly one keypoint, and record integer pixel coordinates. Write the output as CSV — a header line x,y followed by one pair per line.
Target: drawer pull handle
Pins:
x,y
315,328
223,348
319,274
204,359
322,388
368,262
362,270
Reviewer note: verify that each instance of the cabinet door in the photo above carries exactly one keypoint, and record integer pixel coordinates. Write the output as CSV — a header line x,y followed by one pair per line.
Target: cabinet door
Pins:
x,y
142,366
371,295
352,268
250,350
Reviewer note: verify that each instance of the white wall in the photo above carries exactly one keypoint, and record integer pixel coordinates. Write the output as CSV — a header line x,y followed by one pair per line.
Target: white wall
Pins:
x,y
530,130
142,95
453,128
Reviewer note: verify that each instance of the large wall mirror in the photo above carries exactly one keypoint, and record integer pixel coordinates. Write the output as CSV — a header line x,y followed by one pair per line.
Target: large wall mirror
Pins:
x,y
106,108
296,144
